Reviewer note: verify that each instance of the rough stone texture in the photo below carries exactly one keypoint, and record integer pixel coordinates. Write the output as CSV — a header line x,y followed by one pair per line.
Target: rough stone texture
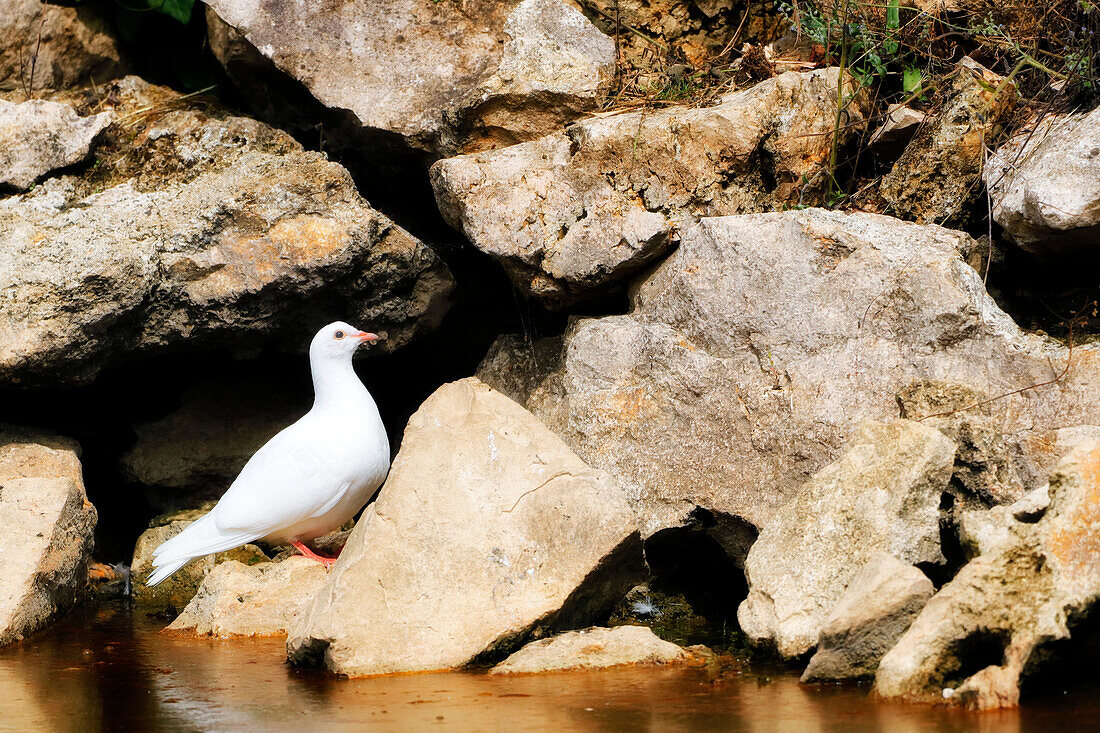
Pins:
x,y
488,532
573,212
751,355
882,495
981,530
66,47
939,174
880,602
46,524
897,129
983,465
594,648
202,229
1012,609
198,450
252,600
177,591
695,31
1045,186
37,137
441,75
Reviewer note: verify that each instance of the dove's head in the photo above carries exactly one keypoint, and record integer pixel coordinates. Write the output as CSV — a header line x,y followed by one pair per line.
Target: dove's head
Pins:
x,y
339,341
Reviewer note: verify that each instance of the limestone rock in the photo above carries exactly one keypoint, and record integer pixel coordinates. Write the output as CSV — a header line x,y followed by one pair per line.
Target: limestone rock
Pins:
x,y
882,495
252,600
983,465
1045,186
880,602
594,648
202,229
66,46
439,75
488,532
939,173
579,210
1013,609
37,137
751,355
47,525
897,129
177,591
198,450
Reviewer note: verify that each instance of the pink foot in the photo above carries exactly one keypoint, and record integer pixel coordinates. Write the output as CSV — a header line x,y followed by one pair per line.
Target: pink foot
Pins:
x,y
304,549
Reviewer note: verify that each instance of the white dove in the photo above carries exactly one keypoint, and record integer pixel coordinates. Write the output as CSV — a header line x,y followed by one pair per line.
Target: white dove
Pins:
x,y
310,478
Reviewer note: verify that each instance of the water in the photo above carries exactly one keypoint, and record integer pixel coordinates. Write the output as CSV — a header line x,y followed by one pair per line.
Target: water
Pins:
x,y
111,669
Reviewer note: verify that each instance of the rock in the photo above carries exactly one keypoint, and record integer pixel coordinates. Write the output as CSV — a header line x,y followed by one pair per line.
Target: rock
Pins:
x,y
441,76
63,46
1013,611
983,465
488,532
37,137
198,450
981,530
880,602
200,229
594,648
938,175
47,525
177,591
897,129
252,600
751,355
882,495
1045,186
580,210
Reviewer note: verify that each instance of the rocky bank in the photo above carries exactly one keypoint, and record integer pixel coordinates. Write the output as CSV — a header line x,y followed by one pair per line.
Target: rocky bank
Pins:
x,y
642,364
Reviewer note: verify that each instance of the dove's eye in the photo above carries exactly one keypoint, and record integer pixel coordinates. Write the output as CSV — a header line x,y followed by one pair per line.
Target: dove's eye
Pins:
x,y
339,335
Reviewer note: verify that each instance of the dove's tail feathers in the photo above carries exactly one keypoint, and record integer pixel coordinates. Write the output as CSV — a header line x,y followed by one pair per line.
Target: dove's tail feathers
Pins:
x,y
198,539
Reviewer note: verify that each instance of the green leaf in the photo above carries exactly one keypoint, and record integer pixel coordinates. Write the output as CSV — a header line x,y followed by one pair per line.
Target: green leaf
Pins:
x,y
893,22
178,9
911,79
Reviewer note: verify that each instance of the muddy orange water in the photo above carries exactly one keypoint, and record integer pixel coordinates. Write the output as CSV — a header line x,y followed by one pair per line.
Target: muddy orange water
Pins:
x,y
110,669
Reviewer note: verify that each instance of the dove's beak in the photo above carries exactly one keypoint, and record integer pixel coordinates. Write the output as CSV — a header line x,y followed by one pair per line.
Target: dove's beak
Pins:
x,y
366,337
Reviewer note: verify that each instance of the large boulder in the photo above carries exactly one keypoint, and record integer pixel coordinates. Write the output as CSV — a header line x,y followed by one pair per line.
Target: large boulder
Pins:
x,y
1045,186
488,532
579,210
37,137
265,599
594,648
439,76
882,495
879,604
197,451
46,525
752,354
1015,609
198,228
939,175
52,47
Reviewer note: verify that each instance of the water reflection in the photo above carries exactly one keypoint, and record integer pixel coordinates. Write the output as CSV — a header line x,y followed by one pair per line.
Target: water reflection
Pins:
x,y
111,670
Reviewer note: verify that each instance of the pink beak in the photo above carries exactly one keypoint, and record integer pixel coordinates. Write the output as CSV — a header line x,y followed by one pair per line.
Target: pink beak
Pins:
x,y
366,336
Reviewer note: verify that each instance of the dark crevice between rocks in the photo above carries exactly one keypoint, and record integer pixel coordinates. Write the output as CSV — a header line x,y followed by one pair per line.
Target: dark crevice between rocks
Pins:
x,y
950,543
695,582
971,654
1065,665
591,603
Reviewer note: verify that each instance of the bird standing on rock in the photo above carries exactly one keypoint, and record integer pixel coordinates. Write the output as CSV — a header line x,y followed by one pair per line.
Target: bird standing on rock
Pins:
x,y
310,478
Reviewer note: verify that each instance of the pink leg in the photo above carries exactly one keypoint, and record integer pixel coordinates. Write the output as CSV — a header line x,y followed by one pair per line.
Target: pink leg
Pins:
x,y
304,549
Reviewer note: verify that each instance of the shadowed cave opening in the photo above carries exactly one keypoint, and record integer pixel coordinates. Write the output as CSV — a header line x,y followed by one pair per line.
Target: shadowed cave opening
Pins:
x,y
1065,665
696,581
981,649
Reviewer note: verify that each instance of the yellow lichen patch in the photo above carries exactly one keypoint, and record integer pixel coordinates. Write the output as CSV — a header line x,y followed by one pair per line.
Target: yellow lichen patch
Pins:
x,y
1074,542
308,237
626,406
